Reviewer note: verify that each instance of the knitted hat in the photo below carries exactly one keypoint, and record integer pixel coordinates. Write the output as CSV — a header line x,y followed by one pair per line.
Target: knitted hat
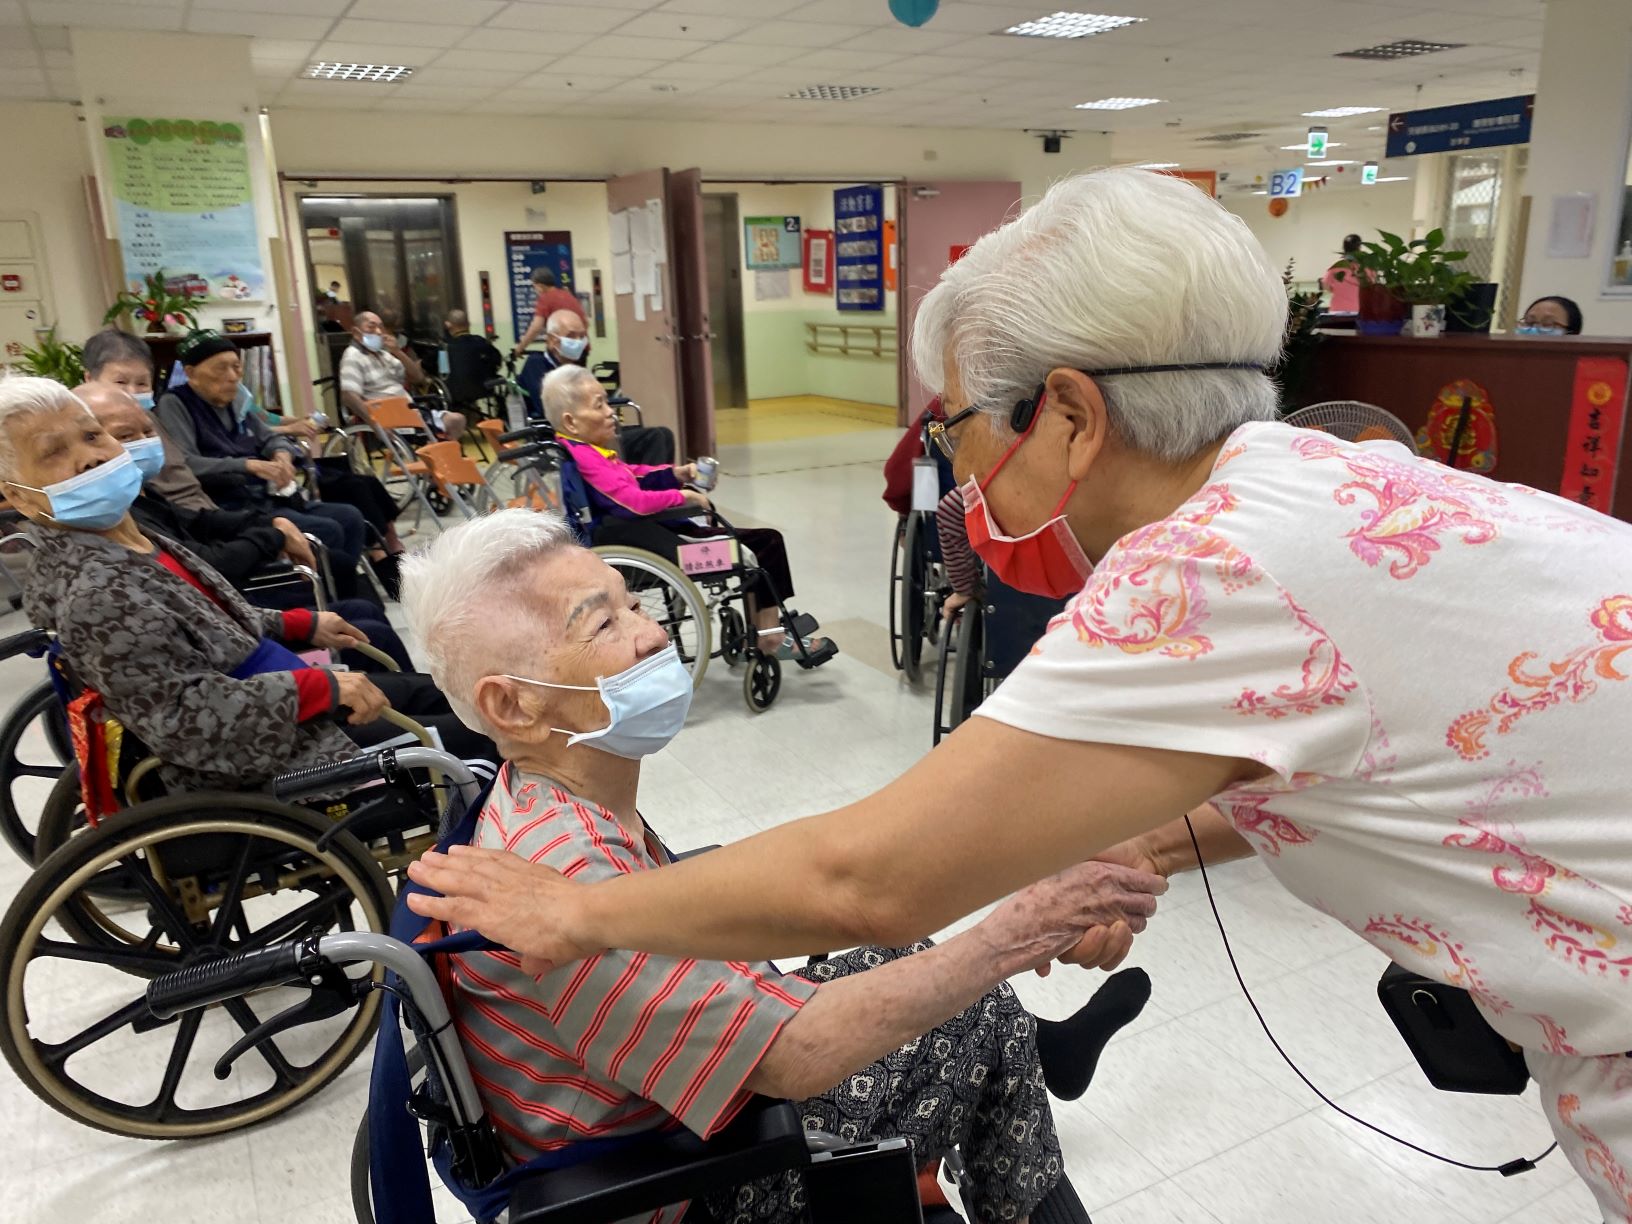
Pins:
x,y
201,346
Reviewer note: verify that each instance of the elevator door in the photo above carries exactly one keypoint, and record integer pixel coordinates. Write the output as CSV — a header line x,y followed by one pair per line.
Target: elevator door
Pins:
x,y
724,257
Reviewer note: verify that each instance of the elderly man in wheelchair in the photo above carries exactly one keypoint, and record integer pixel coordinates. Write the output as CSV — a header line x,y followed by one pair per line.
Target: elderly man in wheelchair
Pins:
x,y
158,657
537,640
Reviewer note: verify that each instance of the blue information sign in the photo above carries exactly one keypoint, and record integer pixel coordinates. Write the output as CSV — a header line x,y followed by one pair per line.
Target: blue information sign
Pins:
x,y
1473,125
525,250
858,247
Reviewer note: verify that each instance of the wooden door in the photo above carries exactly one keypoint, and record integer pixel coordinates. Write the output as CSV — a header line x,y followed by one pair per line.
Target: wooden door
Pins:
x,y
694,329
648,351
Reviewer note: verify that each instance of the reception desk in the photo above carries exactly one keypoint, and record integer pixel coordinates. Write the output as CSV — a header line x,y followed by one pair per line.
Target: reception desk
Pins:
x,y
1559,403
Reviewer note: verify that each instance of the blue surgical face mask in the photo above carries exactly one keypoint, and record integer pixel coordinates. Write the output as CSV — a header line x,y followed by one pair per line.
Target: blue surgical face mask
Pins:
x,y
648,704
572,347
148,454
243,403
95,499
1538,329
144,398
373,341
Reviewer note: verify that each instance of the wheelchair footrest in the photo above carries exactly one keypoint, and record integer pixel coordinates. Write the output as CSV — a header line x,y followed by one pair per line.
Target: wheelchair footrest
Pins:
x,y
810,659
802,624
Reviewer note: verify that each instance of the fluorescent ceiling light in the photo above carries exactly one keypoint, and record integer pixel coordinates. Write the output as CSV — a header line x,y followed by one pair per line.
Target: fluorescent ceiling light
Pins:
x,y
833,93
1157,166
1304,144
1329,163
1341,112
1396,178
380,74
1260,193
1117,103
1070,25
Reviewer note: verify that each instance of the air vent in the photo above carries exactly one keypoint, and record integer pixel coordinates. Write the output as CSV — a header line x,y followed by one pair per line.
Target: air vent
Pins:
x,y
378,74
1404,49
833,93
1228,137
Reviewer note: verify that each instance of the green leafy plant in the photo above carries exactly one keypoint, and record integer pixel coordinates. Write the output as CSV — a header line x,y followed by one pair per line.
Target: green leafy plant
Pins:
x,y
1298,348
156,305
1419,272
53,358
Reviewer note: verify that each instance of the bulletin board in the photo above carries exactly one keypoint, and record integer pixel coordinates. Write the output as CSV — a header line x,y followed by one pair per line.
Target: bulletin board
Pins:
x,y
818,261
859,254
525,250
772,242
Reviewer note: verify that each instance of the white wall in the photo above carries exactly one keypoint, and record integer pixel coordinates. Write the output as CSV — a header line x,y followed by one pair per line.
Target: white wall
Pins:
x,y
315,142
1313,228
1579,143
47,160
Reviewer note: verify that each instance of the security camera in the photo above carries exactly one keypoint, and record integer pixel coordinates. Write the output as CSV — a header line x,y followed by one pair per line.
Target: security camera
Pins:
x,y
1051,143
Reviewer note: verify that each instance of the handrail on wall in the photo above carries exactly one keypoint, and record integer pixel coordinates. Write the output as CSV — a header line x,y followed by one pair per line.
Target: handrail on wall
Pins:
x,y
852,340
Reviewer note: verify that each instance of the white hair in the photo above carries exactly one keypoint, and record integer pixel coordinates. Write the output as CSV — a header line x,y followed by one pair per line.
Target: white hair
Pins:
x,y
562,315
1110,269
564,389
21,395
463,598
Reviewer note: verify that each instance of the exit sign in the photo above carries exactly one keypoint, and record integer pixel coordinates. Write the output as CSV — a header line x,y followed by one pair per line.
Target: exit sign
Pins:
x,y
1317,143
1368,175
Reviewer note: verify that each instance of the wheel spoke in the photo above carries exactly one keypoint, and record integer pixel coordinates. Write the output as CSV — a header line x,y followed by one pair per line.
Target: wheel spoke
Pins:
x,y
232,897
186,1033
296,921
55,1054
179,928
129,958
20,769
244,1016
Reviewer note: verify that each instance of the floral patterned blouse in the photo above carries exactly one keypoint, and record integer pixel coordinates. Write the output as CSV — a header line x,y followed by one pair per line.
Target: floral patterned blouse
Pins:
x,y
1433,665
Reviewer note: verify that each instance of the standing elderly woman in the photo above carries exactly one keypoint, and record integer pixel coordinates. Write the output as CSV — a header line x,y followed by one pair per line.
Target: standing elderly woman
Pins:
x,y
1248,631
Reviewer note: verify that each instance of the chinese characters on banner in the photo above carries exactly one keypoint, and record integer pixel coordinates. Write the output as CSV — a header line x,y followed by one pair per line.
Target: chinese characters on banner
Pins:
x,y
858,223
182,193
525,250
1593,446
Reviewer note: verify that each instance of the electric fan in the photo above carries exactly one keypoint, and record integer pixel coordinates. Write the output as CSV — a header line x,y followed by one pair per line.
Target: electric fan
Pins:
x,y
1353,421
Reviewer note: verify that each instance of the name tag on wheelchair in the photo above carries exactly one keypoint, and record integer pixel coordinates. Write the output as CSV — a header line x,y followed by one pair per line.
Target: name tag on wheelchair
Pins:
x,y
926,484
711,556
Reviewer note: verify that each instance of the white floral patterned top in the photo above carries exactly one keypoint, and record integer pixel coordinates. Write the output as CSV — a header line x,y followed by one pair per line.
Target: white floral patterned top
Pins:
x,y
1435,667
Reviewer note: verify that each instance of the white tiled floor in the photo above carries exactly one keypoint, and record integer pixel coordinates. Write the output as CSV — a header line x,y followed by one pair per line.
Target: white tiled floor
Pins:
x,y
1193,1118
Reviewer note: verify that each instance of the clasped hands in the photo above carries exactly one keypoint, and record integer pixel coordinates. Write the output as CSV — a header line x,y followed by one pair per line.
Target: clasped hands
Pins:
x,y
1086,915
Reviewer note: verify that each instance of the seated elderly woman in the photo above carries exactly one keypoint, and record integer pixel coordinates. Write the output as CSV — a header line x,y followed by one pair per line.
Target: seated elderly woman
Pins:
x,y
624,495
537,641
206,682
242,460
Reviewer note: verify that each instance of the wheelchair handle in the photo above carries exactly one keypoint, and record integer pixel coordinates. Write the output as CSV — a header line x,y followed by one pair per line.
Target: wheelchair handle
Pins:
x,y
236,974
30,641
316,779
528,431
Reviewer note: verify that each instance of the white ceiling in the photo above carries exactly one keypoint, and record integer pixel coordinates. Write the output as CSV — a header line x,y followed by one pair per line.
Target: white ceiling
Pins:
x,y
1218,65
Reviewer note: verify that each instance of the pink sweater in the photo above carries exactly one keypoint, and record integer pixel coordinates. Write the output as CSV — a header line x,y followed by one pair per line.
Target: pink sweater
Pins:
x,y
619,482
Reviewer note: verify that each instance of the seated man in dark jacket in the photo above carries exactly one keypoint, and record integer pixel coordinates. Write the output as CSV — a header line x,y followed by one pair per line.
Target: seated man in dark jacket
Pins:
x,y
473,361
238,544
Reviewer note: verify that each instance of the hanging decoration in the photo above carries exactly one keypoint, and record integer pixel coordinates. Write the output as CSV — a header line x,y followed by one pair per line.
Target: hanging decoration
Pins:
x,y
1278,207
1472,432
914,12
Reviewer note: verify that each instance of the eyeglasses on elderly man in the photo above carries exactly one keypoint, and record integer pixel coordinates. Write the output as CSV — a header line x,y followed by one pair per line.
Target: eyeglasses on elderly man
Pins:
x,y
1238,645
540,644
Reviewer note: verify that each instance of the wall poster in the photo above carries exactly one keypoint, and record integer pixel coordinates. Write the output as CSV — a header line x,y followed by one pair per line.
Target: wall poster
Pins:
x,y
858,256
181,190
525,250
771,242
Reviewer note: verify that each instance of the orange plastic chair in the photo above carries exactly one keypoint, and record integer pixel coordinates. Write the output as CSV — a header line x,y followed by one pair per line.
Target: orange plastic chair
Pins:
x,y
493,429
458,477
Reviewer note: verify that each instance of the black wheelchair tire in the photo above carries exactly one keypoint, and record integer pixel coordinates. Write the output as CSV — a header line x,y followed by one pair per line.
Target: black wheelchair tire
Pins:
x,y
733,635
350,890
944,663
761,683
915,573
897,551
37,703
969,666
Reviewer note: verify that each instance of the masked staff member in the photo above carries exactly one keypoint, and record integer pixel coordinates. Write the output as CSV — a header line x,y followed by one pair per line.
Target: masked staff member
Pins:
x,y
1239,635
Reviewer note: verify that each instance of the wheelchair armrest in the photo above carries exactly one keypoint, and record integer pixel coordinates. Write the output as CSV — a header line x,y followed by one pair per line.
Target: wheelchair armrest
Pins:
x,y
767,1138
30,641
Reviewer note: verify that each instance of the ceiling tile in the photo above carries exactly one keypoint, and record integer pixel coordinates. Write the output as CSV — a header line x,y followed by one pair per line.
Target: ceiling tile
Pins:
x,y
641,48
289,8
743,53
757,10
268,50
902,41
608,4
561,18
490,61
436,12
689,26
438,77
51,37
692,70
23,76
845,64
368,53
466,93
586,66
11,13
800,34
19,57
574,83
105,16
222,21
393,33
488,39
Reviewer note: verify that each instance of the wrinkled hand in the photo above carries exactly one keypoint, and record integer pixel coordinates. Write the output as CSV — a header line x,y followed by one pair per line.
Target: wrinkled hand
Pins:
x,y
333,632
286,468
296,546
1106,948
266,470
955,603
1088,913
698,501
519,904
685,472
359,695
298,427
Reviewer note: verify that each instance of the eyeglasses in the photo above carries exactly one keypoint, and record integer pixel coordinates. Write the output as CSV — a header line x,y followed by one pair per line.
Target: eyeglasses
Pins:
x,y
939,431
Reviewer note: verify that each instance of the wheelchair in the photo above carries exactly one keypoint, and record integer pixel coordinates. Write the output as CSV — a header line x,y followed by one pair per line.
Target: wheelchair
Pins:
x,y
709,584
981,645
131,884
423,1100
918,582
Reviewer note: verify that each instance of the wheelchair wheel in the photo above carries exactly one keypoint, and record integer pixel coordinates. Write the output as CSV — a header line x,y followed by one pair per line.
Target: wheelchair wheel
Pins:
x,y
669,598
34,747
968,666
216,873
915,562
362,1201
733,635
762,682
897,552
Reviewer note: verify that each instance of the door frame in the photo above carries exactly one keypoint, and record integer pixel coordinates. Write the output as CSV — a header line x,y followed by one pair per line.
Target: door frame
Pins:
x,y
730,328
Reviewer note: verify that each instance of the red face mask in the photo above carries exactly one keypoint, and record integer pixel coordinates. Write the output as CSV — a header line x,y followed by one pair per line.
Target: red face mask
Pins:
x,y
1047,561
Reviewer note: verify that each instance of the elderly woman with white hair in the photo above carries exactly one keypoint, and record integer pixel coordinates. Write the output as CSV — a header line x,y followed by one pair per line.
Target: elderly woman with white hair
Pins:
x,y
1247,627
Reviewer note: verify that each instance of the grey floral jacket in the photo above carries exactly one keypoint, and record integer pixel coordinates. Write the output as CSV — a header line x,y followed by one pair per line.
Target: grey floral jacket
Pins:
x,y
161,655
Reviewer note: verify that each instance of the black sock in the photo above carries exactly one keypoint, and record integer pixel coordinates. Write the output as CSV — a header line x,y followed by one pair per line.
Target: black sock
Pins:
x,y
1069,1049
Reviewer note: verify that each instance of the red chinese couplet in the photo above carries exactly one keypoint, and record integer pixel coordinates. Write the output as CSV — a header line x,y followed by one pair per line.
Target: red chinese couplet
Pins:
x,y
1593,448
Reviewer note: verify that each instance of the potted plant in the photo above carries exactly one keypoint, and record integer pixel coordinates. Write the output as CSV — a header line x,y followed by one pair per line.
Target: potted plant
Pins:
x,y
157,305
53,358
1403,280
1298,351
